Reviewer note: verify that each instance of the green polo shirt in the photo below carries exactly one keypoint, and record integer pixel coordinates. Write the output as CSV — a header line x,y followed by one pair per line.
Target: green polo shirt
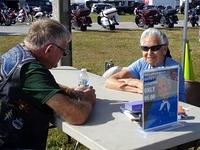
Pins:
x,y
38,83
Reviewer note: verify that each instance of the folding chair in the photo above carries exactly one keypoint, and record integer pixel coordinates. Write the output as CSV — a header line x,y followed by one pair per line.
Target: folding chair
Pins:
x,y
112,71
192,89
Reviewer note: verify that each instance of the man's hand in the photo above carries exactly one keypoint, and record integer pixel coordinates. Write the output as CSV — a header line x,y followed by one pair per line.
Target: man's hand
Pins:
x,y
75,105
86,93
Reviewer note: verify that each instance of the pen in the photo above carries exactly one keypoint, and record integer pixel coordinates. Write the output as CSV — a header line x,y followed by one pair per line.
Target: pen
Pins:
x,y
186,109
128,114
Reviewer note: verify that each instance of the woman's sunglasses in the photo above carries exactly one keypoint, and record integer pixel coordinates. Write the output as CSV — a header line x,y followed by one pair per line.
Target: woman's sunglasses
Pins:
x,y
152,48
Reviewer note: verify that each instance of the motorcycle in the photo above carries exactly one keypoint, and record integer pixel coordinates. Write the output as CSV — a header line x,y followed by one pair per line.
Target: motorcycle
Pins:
x,y
168,18
37,13
5,18
80,19
12,14
24,15
147,17
108,18
193,18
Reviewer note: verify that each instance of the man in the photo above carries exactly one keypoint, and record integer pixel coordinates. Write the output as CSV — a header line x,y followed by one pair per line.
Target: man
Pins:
x,y
29,94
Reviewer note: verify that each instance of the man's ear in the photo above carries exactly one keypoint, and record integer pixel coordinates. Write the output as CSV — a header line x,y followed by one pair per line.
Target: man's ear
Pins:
x,y
48,49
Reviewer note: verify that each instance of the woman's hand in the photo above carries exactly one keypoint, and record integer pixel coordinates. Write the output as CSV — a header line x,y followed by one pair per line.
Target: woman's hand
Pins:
x,y
133,85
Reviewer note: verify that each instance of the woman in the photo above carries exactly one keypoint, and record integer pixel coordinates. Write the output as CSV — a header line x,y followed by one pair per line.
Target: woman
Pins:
x,y
155,52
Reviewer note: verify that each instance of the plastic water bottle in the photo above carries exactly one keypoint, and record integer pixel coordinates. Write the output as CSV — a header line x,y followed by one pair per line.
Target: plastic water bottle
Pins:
x,y
83,78
109,64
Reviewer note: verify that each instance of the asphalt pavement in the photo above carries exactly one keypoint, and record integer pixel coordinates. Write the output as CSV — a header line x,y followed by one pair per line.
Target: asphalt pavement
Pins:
x,y
22,28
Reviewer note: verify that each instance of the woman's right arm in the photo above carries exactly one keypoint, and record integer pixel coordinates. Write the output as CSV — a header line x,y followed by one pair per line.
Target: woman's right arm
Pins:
x,y
124,81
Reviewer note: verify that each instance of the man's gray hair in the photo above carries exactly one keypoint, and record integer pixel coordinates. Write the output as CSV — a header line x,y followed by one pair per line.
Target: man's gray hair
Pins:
x,y
45,31
154,32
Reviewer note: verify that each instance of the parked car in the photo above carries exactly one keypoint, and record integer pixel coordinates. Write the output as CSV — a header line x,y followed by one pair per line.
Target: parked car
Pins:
x,y
3,6
128,9
121,10
191,5
75,6
46,5
98,7
197,9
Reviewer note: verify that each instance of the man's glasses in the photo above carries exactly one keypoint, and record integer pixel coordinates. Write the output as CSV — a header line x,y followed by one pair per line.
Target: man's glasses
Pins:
x,y
152,48
65,50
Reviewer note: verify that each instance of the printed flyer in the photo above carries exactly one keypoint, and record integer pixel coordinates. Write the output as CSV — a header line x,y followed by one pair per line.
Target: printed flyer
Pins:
x,y
160,95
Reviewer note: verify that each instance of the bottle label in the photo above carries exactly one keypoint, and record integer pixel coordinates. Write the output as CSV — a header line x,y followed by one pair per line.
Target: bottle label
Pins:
x,y
84,82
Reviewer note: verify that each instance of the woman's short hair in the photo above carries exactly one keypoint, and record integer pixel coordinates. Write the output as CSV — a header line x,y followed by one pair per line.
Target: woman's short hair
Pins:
x,y
45,31
154,32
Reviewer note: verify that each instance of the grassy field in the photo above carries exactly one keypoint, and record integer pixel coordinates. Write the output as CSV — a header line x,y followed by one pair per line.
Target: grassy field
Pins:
x,y
92,49
123,48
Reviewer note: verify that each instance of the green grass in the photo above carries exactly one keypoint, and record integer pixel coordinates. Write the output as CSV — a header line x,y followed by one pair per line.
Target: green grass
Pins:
x,y
57,140
91,50
123,48
180,16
